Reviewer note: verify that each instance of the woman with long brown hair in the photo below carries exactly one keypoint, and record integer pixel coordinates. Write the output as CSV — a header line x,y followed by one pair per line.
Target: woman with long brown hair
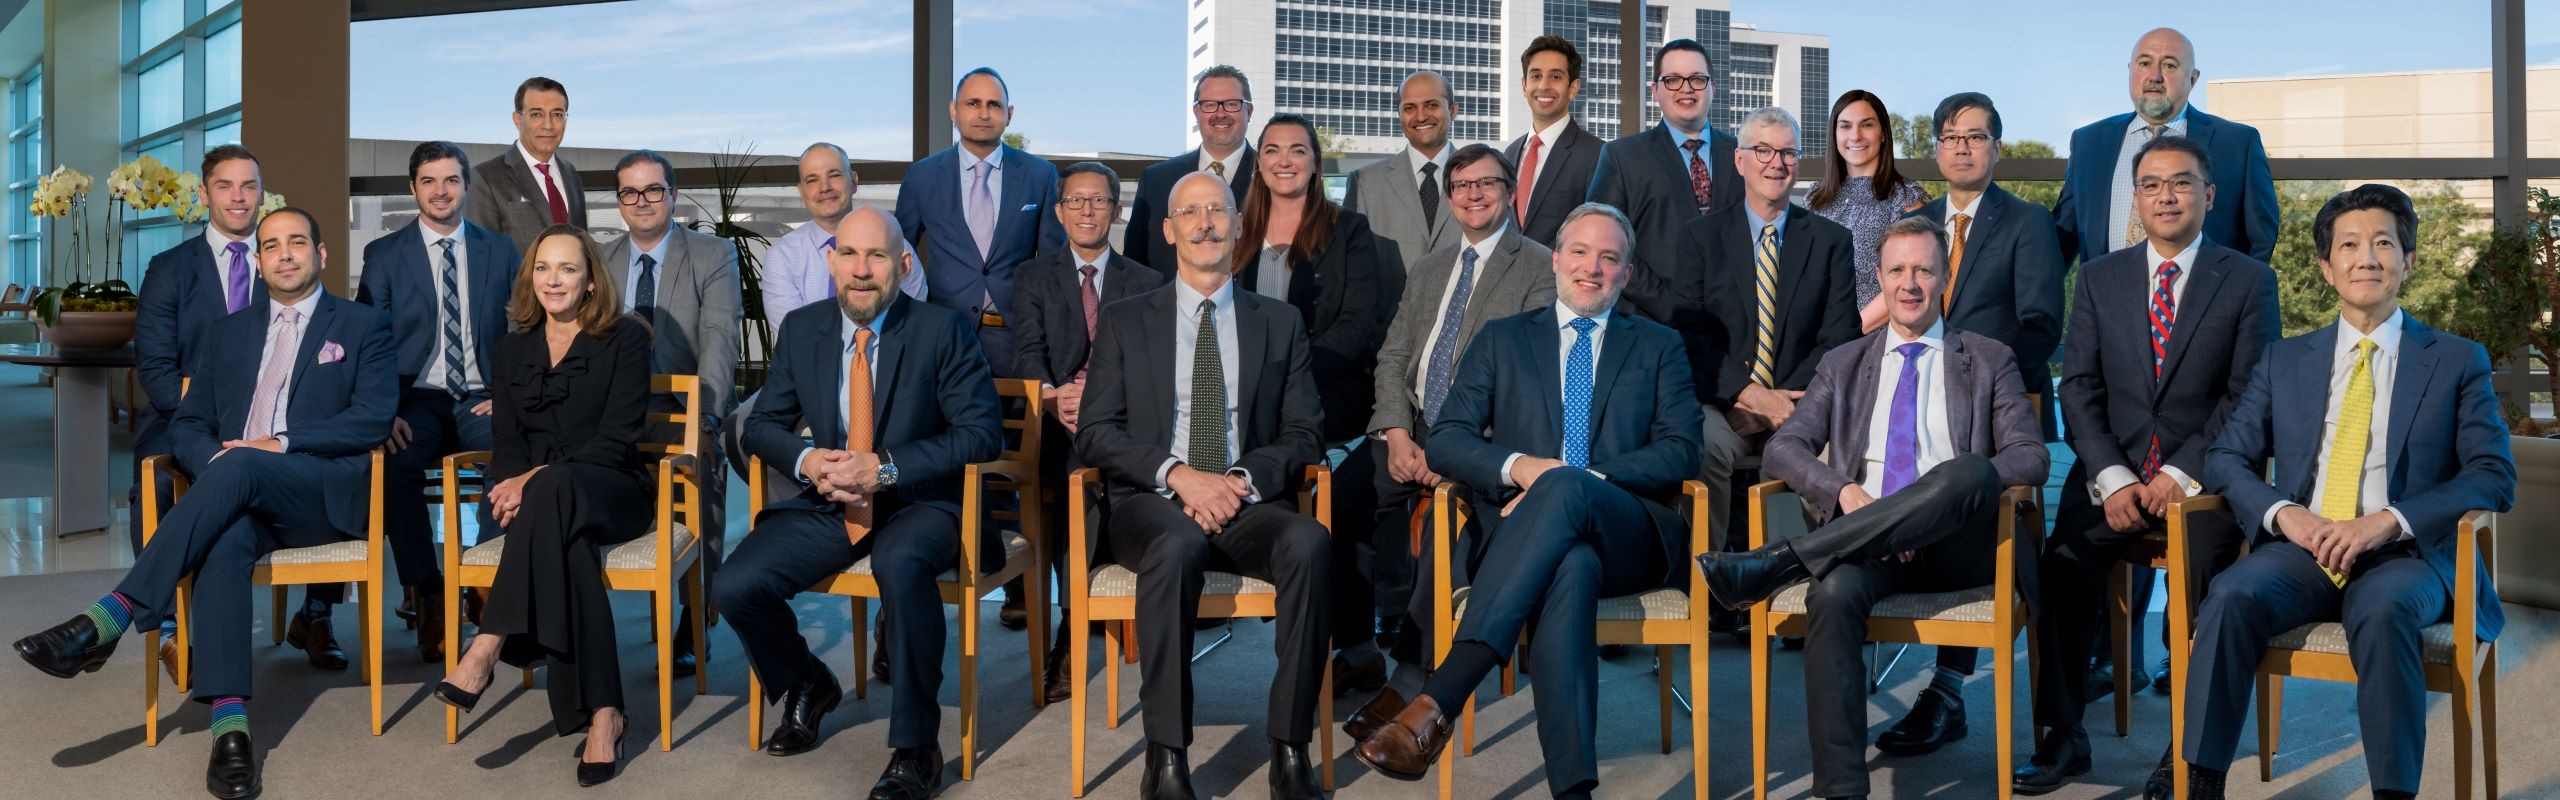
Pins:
x,y
1862,191
1297,246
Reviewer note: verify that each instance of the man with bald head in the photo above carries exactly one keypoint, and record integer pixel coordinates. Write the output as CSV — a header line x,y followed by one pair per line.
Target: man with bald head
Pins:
x,y
1201,414
1405,196
898,400
2096,213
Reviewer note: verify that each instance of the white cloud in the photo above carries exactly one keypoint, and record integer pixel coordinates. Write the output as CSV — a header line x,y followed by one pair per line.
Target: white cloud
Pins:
x,y
687,34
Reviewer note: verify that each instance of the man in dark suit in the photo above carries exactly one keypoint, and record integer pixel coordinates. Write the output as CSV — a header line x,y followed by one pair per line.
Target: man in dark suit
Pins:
x,y
1556,156
1222,108
1405,195
1058,298
1914,510
2354,512
2097,212
1203,418
1573,459
444,283
275,434
531,186
898,403
2162,340
977,210
1672,173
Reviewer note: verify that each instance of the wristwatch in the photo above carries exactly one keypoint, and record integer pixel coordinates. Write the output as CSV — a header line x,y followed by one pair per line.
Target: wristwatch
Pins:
x,y
888,476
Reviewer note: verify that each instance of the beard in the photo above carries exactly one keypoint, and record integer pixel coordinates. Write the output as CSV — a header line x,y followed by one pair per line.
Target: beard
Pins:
x,y
864,313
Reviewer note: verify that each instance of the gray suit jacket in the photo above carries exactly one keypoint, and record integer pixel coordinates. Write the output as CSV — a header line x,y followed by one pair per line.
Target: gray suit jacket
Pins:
x,y
507,197
1987,413
1388,195
696,316
1518,278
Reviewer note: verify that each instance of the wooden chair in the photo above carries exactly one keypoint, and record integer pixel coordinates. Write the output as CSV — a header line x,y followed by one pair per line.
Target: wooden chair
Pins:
x,y
657,562
1664,618
1015,471
1987,617
14,305
2151,550
2458,661
1108,593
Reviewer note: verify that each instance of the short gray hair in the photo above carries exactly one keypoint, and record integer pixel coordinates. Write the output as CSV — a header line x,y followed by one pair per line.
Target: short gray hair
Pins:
x,y
1770,116
1222,71
1914,226
841,157
1626,229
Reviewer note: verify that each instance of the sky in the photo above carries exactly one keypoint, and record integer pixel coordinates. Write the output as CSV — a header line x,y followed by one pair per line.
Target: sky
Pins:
x,y
1107,75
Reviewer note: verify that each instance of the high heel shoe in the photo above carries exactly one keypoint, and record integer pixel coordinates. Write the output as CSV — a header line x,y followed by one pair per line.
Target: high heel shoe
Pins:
x,y
592,773
454,695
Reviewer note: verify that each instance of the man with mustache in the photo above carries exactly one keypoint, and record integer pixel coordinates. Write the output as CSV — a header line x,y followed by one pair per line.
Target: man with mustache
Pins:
x,y
531,186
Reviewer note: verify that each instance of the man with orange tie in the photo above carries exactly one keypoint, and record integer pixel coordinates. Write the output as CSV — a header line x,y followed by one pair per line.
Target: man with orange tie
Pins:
x,y
531,186
898,399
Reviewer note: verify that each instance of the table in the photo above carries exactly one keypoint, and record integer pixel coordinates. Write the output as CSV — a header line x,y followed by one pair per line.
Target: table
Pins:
x,y
80,503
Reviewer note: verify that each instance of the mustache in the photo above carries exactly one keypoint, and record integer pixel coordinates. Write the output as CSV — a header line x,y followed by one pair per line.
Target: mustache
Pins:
x,y
1207,235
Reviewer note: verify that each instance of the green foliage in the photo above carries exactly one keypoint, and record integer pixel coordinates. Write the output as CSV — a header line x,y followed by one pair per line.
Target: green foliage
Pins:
x,y
1018,142
1328,144
2042,193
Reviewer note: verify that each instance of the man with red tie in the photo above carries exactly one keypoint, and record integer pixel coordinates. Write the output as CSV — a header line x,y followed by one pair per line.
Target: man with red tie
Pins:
x,y
531,186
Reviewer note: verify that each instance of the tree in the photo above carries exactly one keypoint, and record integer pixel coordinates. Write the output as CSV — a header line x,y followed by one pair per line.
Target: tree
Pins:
x,y
1914,137
1018,141
2042,193
1328,145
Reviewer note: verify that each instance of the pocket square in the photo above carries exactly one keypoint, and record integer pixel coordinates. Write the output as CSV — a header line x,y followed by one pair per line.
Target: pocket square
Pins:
x,y
331,353
1031,206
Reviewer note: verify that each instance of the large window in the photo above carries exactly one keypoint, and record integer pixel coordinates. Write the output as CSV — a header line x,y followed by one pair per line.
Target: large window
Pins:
x,y
26,164
182,95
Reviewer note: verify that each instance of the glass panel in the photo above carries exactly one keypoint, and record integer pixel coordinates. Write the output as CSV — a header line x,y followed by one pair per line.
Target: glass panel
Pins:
x,y
222,69
163,96
31,100
157,20
140,244
225,133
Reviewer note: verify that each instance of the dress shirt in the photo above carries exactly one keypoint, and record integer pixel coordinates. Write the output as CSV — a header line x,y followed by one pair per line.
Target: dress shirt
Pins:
x,y
1186,337
1546,148
2376,494
1440,310
657,274
1936,438
222,261
2137,132
844,391
995,182
536,165
1757,223
472,370
1680,147
1414,159
2115,478
1234,160
303,308
1564,359
795,271
1971,211
1272,278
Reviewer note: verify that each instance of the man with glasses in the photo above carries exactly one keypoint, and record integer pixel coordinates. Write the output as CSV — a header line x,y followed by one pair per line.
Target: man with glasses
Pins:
x,y
2097,213
1222,108
685,284
531,186
1671,173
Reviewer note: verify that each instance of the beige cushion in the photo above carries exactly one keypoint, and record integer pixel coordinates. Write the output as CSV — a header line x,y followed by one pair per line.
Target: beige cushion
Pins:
x,y
1113,580
1969,605
1659,604
1014,545
348,551
640,553
2331,637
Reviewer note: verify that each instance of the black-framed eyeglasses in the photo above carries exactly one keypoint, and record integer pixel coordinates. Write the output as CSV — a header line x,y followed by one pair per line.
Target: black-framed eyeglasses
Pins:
x,y
1688,82
1215,106
1081,201
1764,153
1480,184
633,197
2151,187
1964,141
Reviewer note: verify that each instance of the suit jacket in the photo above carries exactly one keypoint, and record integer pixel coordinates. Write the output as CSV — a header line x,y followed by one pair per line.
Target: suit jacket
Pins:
x,y
933,400
2440,400
1564,178
182,297
1048,307
399,279
336,411
506,196
1717,296
1518,278
2111,404
695,320
1389,195
1508,398
2010,284
2244,214
1987,414
1128,412
1339,299
592,408
1143,240
1643,175
934,216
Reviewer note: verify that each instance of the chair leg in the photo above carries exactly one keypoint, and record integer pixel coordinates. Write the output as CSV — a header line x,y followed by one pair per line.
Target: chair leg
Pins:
x,y
2120,632
1128,641
696,590
1036,581
755,709
861,648
452,634
1077,643
370,607
2270,720
2489,722
1324,724
2464,689
151,688
185,651
1759,710
662,606
275,615
969,686
2004,681
1662,692
1698,686
1112,639
1467,728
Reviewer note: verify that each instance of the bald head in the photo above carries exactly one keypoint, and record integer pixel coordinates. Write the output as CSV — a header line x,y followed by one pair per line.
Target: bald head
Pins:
x,y
2161,74
1201,221
1423,107
869,258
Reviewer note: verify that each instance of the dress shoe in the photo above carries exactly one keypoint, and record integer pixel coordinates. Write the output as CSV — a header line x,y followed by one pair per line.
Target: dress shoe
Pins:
x,y
1407,746
1366,676
685,661
1613,652
1168,774
312,635
465,701
1057,682
913,774
591,773
2160,679
1292,776
67,649
802,709
169,660
1013,615
431,628
1738,580
2162,785
1933,722
1373,716
408,610
2204,784
2060,757
2102,681
232,773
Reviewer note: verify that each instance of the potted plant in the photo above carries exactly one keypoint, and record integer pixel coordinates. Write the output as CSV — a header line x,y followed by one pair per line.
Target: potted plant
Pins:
x,y
83,315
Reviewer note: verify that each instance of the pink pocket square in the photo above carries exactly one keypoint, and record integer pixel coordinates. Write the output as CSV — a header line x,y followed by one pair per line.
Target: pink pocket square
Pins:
x,y
331,353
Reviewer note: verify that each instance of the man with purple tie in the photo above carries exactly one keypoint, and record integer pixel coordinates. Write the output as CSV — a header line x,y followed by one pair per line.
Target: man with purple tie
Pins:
x,y
978,209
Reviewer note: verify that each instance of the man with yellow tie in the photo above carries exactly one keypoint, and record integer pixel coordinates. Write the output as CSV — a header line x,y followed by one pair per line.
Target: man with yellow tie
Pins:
x,y
2357,525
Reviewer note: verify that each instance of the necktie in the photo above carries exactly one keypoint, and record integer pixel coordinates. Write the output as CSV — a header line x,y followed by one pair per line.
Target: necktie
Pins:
x,y
1444,346
982,209
644,298
2133,209
1955,260
1430,195
1208,396
273,375
1092,309
1528,175
822,277
1765,357
2164,314
1902,423
2342,488
1218,168
451,303
551,193
1577,396
1701,181
239,280
857,423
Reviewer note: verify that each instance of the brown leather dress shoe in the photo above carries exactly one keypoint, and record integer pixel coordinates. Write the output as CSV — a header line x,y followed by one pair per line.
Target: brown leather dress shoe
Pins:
x,y
1407,746
1375,715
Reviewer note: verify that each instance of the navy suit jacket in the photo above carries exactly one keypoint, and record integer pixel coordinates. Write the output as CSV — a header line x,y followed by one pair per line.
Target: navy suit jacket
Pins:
x,y
1508,398
2244,211
337,411
1644,177
182,297
399,279
933,400
2111,404
1563,179
2440,400
2010,284
1049,311
934,216
1143,241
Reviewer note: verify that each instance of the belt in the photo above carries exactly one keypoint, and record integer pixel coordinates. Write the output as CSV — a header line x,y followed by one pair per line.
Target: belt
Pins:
x,y
990,319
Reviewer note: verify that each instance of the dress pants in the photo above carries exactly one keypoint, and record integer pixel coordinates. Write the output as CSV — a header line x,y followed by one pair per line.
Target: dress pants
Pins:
x,y
791,549
2072,595
1270,541
1398,568
1357,552
1722,450
549,599
439,426
1948,517
2391,594
245,504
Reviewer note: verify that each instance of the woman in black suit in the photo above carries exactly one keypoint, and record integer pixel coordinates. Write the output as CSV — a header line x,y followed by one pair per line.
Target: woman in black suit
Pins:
x,y
570,390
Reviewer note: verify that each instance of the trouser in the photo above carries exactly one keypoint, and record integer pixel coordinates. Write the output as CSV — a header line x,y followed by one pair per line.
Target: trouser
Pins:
x,y
1358,591
1400,563
1269,541
1721,452
438,426
549,600
2070,618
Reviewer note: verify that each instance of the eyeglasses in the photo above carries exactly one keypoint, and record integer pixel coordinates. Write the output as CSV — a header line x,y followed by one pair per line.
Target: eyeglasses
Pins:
x,y
633,197
1215,106
1688,82
1765,153
2151,187
1081,201
1213,211
1963,141
1479,185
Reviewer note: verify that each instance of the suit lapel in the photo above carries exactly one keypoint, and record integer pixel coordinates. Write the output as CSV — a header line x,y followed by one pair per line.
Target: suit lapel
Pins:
x,y
2109,142
893,347
1958,377
828,350
1549,370
2311,379
1253,340
1120,284
529,185
2202,287
1504,255
1562,153
2409,385
1017,185
1156,325
1849,419
1986,220
314,332
1793,249
1613,363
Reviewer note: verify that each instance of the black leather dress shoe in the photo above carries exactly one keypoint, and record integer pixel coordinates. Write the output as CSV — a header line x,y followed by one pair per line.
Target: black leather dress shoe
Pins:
x,y
67,649
1293,777
1737,580
232,774
2060,757
312,635
2162,785
913,774
685,661
1932,723
2160,679
802,709
1168,774
1013,615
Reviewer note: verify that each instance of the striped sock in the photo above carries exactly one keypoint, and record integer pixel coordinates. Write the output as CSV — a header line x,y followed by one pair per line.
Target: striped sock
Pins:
x,y
111,614
1949,684
230,715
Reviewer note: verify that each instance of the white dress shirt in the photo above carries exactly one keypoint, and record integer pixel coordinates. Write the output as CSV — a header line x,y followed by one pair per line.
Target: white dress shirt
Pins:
x,y
1564,361
1936,439
293,344
657,274
844,390
2137,132
1440,310
1186,337
795,271
1414,159
433,376
1233,162
222,260
1546,143
2116,478
2376,488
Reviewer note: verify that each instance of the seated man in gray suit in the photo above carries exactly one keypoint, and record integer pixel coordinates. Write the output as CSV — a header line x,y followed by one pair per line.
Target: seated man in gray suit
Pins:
x,y
1923,426
530,187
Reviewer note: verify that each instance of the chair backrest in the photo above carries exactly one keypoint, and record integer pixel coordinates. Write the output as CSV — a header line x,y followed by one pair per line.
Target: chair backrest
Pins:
x,y
676,432
1020,400
16,293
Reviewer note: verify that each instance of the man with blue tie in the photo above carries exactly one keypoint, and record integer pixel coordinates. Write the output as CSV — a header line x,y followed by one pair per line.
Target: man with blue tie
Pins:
x,y
444,283
977,210
1579,423
2096,214
2354,511
1672,173
1899,450
898,403
275,433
